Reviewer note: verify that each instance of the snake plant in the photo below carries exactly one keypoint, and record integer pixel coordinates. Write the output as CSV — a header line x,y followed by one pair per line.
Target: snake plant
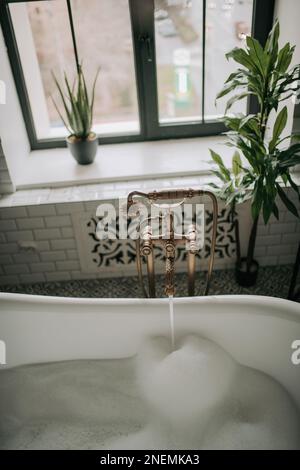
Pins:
x,y
78,106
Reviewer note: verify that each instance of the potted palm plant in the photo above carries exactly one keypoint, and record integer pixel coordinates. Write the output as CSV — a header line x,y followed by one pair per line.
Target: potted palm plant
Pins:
x,y
230,191
78,109
266,74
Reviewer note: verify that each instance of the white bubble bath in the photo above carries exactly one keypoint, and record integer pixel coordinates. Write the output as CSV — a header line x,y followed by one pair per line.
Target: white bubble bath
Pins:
x,y
195,397
108,374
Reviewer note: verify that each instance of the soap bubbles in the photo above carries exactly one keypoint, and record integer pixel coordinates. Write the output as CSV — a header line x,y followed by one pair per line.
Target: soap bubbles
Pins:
x,y
199,397
196,397
184,384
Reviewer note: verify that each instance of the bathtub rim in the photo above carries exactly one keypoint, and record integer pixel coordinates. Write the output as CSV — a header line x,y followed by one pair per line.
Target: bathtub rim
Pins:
x,y
244,299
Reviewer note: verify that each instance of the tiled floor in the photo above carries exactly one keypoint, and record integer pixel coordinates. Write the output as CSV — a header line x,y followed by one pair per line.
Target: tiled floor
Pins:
x,y
272,281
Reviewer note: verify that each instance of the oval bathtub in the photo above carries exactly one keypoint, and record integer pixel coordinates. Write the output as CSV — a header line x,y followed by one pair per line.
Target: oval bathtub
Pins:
x,y
257,331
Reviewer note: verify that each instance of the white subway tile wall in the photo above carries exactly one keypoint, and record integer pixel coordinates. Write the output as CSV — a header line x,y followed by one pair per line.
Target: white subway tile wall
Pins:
x,y
38,243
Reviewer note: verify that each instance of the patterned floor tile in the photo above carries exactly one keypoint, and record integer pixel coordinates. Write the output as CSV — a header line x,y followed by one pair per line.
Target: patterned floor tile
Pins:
x,y
272,281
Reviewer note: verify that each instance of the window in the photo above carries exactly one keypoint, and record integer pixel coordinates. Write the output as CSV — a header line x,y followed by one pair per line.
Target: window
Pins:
x,y
102,31
162,62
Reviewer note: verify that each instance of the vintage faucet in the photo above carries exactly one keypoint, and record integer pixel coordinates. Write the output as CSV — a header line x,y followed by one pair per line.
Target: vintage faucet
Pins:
x,y
169,239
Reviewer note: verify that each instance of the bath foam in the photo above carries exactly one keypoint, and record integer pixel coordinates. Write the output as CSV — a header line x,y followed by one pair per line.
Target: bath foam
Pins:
x,y
195,397
186,382
199,397
69,405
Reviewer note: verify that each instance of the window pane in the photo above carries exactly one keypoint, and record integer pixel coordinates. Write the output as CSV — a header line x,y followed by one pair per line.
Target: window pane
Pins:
x,y
178,40
45,44
227,22
178,36
103,35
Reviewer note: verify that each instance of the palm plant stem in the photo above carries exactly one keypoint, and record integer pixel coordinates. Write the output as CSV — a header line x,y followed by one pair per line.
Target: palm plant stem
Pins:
x,y
237,241
251,244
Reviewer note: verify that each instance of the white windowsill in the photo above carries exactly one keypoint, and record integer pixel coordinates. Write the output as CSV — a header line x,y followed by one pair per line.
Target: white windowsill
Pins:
x,y
122,162
52,176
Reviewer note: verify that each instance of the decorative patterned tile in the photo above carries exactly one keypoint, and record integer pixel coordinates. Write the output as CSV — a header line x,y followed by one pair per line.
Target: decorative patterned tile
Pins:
x,y
98,257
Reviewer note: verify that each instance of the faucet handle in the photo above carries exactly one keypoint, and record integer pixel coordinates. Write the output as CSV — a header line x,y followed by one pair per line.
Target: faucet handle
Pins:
x,y
146,236
193,242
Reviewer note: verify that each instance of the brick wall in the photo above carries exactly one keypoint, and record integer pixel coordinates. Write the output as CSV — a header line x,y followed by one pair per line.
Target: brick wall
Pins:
x,y
277,242
38,243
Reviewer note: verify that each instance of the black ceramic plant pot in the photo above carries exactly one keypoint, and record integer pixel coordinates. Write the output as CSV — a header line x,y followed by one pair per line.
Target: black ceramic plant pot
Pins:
x,y
83,150
244,277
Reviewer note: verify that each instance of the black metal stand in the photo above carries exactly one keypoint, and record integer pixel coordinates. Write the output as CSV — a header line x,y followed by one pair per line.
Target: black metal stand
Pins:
x,y
294,293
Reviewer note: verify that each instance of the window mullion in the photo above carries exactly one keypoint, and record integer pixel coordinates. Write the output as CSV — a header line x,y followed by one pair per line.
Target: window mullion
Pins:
x,y
142,15
135,28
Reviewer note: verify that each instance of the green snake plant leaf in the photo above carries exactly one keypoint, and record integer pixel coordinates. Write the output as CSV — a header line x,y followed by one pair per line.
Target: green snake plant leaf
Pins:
x,y
284,178
66,108
258,55
77,105
242,57
276,211
75,114
88,112
272,41
293,185
270,193
289,157
219,175
93,91
227,89
268,206
271,47
286,201
61,116
236,164
236,98
218,160
279,126
235,75
284,58
83,105
258,196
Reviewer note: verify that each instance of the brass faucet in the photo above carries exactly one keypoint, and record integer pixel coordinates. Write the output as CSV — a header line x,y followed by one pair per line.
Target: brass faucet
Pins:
x,y
146,242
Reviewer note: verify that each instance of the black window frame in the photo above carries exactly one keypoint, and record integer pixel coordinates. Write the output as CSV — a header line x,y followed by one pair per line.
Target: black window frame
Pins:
x,y
143,35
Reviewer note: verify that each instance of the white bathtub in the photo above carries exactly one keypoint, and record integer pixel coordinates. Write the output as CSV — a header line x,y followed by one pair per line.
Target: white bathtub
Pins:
x,y
257,331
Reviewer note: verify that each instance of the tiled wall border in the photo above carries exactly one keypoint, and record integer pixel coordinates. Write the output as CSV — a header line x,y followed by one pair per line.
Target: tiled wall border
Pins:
x,y
49,227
